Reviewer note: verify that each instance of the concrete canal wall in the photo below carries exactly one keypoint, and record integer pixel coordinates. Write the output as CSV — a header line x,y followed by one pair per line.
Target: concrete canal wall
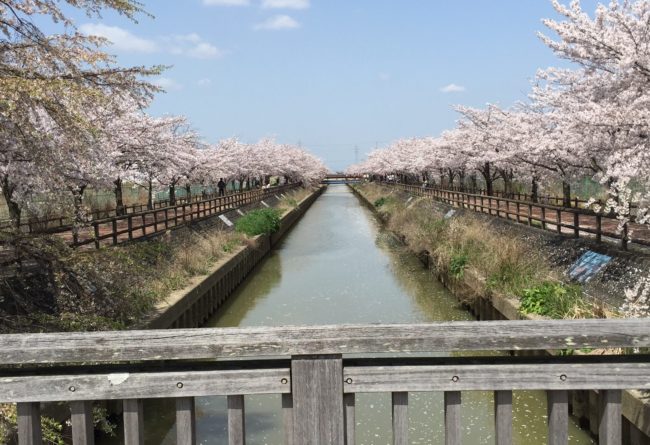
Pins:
x,y
585,405
192,306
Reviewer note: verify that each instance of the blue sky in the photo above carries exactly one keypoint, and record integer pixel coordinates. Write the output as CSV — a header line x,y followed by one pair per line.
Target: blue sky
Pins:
x,y
332,74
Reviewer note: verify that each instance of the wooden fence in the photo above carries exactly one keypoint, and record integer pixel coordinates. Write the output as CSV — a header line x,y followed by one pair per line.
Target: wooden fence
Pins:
x,y
318,385
151,222
64,223
563,220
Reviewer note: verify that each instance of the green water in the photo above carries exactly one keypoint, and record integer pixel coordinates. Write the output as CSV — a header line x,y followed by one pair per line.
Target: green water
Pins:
x,y
337,266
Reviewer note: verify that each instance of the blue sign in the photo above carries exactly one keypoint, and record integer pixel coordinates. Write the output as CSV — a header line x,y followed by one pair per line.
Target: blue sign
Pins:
x,y
587,266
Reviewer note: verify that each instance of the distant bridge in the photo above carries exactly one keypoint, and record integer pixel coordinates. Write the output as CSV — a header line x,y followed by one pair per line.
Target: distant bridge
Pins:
x,y
342,179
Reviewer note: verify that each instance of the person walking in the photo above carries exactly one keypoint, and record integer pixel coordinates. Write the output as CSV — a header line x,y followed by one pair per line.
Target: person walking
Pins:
x,y
221,185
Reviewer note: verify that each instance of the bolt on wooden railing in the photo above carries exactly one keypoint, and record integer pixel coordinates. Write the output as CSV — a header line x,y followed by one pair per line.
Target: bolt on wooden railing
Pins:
x,y
562,220
317,384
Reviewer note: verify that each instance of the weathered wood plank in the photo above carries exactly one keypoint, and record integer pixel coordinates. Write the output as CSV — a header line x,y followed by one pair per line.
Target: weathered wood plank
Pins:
x,y
497,377
185,421
133,422
558,417
81,416
610,431
29,424
317,388
143,385
281,341
287,418
236,420
453,432
400,403
350,419
503,417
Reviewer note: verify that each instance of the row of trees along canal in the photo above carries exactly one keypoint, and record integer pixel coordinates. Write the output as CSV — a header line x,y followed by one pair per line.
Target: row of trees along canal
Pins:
x,y
589,121
72,120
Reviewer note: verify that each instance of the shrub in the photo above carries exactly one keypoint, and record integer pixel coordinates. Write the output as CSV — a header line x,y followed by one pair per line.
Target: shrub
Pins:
x,y
555,300
258,222
380,202
457,265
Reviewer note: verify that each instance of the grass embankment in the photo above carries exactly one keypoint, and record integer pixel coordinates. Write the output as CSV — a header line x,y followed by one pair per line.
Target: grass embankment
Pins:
x,y
469,245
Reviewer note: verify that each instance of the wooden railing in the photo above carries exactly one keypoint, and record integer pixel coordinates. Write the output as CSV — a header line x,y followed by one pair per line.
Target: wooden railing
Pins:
x,y
151,222
318,385
554,200
64,223
574,221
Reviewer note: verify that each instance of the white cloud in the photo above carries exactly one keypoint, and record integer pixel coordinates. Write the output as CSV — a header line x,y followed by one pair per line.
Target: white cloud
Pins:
x,y
205,51
278,22
191,45
226,2
453,88
167,83
285,4
204,82
121,39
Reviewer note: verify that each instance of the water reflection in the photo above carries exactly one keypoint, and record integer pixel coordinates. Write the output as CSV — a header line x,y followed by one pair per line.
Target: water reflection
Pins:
x,y
336,266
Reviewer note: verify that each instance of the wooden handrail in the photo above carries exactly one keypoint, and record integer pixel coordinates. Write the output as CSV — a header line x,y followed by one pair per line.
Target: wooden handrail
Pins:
x,y
319,386
200,344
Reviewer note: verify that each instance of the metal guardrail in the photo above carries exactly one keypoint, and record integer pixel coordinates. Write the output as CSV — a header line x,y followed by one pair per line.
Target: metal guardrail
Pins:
x,y
318,385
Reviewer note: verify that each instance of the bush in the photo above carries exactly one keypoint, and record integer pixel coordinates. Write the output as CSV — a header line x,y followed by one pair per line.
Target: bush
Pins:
x,y
457,265
555,300
258,222
379,202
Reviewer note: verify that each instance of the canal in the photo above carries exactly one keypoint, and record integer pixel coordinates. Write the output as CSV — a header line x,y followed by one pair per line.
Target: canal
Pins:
x,y
338,266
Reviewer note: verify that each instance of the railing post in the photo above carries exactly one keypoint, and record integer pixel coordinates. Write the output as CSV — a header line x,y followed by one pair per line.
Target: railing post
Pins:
x,y
400,402
29,424
236,421
611,429
452,418
317,388
503,417
558,417
133,422
350,425
185,421
83,431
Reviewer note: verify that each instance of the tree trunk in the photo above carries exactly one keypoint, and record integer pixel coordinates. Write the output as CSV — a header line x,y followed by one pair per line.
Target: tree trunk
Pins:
x,y
119,198
489,181
172,194
566,194
188,192
14,208
508,186
79,219
451,176
534,190
150,194
461,180
474,182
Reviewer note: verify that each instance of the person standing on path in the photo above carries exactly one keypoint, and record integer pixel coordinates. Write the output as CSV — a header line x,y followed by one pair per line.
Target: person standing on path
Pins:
x,y
221,185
